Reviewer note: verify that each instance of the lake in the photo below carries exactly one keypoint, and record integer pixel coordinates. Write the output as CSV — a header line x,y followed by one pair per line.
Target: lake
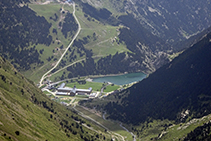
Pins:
x,y
122,79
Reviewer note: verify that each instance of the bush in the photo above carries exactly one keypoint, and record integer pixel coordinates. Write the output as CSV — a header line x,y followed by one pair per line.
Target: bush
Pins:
x,y
17,133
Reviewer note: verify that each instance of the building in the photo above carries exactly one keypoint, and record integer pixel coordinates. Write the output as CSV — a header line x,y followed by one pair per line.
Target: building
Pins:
x,y
93,95
62,90
84,91
62,85
67,1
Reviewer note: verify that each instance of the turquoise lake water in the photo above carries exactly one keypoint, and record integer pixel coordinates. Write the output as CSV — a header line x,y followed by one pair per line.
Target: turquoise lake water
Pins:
x,y
122,79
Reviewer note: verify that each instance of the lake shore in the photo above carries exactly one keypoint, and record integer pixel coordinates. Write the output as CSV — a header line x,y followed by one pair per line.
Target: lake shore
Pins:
x,y
105,75
119,79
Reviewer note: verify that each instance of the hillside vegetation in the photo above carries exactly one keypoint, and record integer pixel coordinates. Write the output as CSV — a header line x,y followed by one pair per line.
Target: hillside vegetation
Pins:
x,y
27,114
110,44
34,42
20,30
104,37
113,37
173,21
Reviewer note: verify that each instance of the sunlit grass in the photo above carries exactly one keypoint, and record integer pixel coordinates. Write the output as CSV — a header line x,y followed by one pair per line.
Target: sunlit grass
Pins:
x,y
94,85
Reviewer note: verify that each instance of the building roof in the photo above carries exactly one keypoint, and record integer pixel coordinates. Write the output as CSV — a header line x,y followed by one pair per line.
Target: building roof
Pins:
x,y
61,93
83,90
93,95
72,90
65,89
62,85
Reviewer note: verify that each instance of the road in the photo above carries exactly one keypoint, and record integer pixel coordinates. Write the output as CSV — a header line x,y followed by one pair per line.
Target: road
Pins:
x,y
101,91
75,63
89,118
49,92
134,136
68,66
76,35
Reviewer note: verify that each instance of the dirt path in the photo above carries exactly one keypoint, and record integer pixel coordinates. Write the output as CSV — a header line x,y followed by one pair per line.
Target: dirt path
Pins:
x,y
76,35
74,63
47,2
118,136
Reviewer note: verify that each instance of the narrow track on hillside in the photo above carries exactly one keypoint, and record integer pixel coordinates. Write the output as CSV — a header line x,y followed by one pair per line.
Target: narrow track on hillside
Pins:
x,y
76,35
118,136
75,63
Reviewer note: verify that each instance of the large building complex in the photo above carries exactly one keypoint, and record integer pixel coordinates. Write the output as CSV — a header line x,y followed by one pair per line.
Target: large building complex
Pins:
x,y
62,90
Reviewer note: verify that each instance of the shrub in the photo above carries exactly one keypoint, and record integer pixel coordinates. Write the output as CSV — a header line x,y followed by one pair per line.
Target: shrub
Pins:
x,y
17,133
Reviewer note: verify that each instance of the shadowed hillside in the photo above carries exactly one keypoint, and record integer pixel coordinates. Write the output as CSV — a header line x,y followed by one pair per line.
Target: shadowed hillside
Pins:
x,y
183,84
176,91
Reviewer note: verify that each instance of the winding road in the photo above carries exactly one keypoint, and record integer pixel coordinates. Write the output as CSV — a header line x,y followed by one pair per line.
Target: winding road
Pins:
x,y
76,35
118,136
102,89
89,118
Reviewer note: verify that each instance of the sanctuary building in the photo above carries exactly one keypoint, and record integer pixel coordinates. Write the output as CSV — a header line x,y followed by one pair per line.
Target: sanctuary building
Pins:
x,y
62,90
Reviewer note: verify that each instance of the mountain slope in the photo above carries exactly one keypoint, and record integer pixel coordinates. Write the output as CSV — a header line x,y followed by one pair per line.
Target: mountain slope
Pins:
x,y
115,37
145,51
174,20
19,31
184,84
34,42
27,114
200,133
171,20
176,91
192,40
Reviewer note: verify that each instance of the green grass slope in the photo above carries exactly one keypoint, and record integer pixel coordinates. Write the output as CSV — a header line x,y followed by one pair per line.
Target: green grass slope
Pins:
x,y
59,42
27,114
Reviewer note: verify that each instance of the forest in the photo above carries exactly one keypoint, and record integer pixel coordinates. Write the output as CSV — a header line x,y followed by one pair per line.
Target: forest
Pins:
x,y
107,65
20,32
69,25
200,133
97,14
135,33
103,15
